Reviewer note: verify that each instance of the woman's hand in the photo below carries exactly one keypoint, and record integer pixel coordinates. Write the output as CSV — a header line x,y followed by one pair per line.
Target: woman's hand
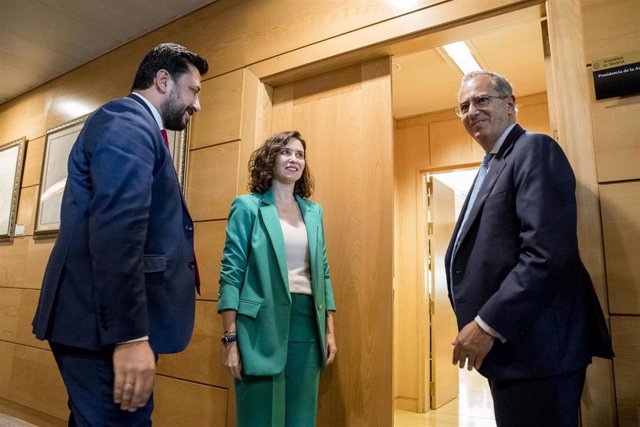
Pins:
x,y
231,360
331,347
330,339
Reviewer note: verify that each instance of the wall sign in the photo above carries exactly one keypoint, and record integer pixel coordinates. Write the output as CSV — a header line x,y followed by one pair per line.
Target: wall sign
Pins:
x,y
617,75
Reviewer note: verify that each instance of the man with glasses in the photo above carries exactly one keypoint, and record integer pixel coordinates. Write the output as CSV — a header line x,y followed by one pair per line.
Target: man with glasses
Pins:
x,y
528,315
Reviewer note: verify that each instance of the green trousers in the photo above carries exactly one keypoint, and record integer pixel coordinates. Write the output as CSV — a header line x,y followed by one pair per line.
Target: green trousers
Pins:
x,y
289,399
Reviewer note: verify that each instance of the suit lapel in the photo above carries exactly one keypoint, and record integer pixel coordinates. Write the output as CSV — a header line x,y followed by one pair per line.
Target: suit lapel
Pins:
x,y
497,165
269,215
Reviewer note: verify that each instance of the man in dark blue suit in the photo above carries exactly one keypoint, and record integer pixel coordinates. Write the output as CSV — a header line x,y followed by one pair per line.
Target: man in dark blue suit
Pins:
x,y
528,315
120,284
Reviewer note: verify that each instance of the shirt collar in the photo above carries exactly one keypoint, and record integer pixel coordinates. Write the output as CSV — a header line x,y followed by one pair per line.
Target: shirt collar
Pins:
x,y
154,111
500,141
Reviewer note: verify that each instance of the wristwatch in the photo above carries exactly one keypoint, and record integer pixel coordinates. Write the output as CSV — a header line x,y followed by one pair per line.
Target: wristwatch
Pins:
x,y
228,339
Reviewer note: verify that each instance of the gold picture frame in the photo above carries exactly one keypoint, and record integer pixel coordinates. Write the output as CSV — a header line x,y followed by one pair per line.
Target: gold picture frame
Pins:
x,y
12,157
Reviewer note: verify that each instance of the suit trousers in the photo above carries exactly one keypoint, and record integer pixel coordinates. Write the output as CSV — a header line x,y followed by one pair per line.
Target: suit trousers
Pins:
x,y
533,402
88,376
288,399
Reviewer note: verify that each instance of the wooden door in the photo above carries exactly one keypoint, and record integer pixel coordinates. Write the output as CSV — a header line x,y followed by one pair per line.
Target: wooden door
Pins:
x,y
444,374
345,117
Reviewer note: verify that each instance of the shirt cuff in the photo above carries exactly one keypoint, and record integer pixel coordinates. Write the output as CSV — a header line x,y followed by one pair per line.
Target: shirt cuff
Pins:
x,y
145,338
488,329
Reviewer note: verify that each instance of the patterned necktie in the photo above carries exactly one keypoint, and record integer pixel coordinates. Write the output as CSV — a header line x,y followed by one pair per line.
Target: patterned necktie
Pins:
x,y
164,135
482,172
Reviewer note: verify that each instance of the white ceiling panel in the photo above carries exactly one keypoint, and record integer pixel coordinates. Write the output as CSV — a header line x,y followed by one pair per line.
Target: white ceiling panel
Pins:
x,y
426,82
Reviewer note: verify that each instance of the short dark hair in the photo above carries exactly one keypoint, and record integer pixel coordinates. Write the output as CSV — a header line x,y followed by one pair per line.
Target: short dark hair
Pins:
x,y
167,56
264,159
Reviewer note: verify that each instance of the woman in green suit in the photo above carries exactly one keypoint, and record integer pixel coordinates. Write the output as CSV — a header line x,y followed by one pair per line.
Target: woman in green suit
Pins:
x,y
275,294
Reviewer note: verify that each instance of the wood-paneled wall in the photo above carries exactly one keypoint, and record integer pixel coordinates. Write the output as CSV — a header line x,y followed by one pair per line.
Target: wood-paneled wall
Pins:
x,y
610,28
430,142
345,117
246,42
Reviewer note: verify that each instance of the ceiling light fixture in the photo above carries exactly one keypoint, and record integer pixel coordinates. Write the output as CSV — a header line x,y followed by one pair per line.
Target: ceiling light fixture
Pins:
x,y
460,54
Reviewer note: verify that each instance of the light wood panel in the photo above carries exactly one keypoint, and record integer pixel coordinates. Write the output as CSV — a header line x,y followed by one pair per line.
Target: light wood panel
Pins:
x,y
202,360
221,103
625,332
256,123
411,153
449,143
25,116
29,377
182,403
22,262
610,28
27,208
620,204
7,350
346,120
33,162
570,99
212,180
13,262
315,21
17,307
617,144
533,113
37,257
209,244
444,327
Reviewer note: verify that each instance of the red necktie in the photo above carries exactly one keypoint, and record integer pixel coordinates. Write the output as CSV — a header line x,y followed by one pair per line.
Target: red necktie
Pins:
x,y
164,135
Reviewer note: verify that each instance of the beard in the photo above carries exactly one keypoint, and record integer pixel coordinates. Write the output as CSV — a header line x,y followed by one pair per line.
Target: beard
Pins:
x,y
173,112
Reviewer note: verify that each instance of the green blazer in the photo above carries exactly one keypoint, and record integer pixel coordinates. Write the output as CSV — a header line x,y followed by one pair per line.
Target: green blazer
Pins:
x,y
254,280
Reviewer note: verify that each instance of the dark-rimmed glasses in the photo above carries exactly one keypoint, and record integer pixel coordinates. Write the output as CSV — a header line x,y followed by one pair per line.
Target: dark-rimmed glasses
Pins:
x,y
480,102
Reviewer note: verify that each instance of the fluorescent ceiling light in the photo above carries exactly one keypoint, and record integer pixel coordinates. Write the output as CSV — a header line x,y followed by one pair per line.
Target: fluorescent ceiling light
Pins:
x,y
461,55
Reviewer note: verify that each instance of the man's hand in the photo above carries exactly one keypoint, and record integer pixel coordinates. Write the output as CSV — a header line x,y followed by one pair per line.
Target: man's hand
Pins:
x,y
471,345
134,366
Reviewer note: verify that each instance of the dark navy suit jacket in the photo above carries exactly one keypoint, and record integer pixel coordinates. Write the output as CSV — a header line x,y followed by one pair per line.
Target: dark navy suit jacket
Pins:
x,y
517,265
123,263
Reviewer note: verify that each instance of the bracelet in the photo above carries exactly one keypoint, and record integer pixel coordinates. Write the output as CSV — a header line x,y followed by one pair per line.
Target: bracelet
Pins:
x,y
228,339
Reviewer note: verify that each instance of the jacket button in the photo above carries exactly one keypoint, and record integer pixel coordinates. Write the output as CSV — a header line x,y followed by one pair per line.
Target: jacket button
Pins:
x,y
192,265
188,227
319,306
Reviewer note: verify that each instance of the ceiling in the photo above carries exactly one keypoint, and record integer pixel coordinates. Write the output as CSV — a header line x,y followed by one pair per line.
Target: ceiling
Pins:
x,y
428,81
42,39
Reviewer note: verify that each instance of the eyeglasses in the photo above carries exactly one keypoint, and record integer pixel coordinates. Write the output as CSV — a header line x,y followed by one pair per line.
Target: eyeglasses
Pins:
x,y
480,102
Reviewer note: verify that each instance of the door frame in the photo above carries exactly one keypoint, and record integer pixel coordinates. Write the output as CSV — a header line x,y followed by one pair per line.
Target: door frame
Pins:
x,y
423,29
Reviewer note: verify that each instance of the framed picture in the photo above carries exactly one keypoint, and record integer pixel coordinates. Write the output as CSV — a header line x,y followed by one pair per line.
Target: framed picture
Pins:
x,y
178,147
11,163
53,177
57,146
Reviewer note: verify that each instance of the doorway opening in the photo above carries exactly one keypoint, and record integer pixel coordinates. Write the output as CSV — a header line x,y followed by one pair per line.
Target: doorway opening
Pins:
x,y
433,155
